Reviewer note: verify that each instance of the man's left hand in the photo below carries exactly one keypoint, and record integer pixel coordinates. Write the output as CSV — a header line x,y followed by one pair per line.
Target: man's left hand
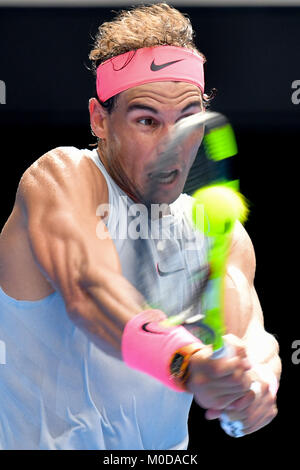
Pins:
x,y
255,409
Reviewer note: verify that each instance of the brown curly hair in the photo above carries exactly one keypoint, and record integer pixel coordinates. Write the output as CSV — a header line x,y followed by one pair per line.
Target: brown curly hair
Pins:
x,y
143,26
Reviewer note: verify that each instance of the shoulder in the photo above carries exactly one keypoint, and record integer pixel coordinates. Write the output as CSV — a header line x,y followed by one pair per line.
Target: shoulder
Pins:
x,y
60,161
66,170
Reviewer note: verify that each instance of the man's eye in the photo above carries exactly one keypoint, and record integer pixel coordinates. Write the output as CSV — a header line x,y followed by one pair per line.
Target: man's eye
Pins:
x,y
146,121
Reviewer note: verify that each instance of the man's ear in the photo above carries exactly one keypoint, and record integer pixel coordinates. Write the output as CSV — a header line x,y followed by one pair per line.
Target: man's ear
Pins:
x,y
98,117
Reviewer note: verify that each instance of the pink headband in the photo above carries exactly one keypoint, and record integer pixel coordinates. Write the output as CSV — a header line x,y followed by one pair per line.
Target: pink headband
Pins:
x,y
149,64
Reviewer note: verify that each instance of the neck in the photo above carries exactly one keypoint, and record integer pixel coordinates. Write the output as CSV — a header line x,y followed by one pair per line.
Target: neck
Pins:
x,y
118,176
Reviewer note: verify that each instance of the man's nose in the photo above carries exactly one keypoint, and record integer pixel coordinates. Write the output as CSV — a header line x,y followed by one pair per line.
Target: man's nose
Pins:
x,y
165,137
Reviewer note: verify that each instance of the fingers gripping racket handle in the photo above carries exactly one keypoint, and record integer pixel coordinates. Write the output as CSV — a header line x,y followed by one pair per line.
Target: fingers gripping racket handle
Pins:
x,y
233,428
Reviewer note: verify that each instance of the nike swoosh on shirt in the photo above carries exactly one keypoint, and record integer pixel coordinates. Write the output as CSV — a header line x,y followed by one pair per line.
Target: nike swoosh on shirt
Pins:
x,y
167,273
155,67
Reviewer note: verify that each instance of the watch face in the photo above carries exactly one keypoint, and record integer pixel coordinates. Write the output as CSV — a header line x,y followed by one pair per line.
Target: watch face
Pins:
x,y
176,364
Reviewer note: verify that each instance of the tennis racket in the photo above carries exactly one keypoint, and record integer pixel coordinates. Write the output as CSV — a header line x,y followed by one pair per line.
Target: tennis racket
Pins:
x,y
217,206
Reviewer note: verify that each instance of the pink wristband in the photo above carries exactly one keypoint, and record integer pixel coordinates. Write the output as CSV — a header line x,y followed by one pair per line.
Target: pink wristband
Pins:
x,y
149,347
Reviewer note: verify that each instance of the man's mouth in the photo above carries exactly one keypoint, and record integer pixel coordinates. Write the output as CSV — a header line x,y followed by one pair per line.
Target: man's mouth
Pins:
x,y
164,177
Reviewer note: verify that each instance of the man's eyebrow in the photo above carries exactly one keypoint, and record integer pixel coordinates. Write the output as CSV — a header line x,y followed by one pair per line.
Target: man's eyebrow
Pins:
x,y
144,107
191,105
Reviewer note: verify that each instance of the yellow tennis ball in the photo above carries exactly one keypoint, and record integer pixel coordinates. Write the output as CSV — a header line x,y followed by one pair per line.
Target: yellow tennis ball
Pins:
x,y
216,208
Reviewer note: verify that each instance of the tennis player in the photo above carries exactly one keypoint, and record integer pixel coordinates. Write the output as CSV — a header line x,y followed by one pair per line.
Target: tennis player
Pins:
x,y
88,363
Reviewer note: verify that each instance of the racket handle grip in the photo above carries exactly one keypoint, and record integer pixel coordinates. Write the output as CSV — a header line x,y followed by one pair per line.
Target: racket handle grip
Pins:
x,y
218,353
232,428
225,351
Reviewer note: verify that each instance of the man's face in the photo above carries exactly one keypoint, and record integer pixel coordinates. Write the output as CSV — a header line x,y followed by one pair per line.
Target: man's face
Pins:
x,y
135,136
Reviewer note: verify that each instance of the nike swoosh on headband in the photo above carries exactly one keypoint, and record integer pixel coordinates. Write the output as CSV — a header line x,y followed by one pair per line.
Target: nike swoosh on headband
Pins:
x,y
167,273
155,67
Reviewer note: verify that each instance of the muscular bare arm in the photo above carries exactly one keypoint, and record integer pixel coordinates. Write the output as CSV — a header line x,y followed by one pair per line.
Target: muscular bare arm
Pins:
x,y
58,196
244,316
244,319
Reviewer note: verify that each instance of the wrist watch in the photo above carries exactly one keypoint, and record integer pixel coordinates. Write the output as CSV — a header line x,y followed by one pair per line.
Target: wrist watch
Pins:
x,y
180,361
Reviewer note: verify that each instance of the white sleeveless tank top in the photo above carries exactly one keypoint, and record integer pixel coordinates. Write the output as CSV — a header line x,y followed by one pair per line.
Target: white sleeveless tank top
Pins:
x,y
58,390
